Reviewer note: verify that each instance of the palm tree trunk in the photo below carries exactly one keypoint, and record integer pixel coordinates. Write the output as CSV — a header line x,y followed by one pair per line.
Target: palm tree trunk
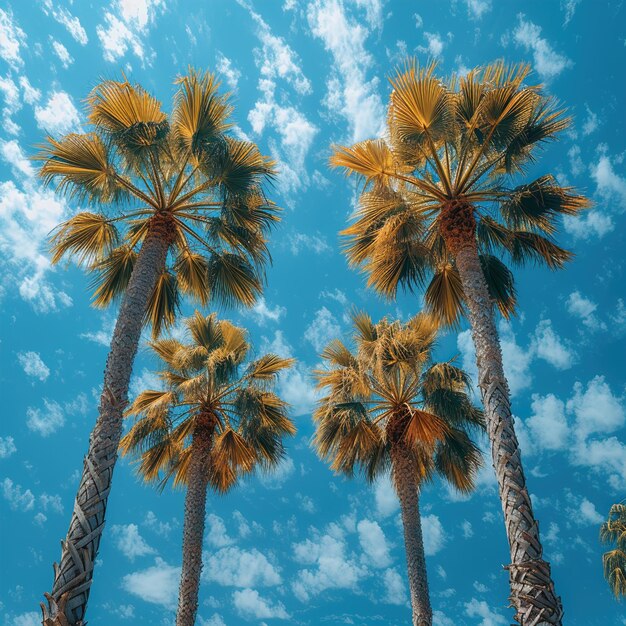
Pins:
x,y
73,576
193,528
532,589
407,488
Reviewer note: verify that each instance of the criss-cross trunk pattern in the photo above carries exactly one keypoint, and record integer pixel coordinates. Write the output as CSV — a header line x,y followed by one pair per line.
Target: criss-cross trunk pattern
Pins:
x,y
73,575
193,527
407,488
532,589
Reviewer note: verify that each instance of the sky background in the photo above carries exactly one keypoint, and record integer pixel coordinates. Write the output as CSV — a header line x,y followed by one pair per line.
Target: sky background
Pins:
x,y
304,546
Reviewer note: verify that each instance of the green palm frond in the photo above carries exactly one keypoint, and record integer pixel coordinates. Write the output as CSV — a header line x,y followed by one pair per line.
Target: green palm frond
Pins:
x,y
500,283
232,279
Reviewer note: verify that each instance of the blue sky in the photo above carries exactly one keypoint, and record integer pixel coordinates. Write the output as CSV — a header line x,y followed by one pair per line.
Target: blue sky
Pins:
x,y
297,548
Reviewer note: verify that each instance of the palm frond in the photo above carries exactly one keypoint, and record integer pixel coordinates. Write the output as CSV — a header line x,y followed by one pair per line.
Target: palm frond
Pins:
x,y
88,237
192,272
112,275
200,116
371,159
163,304
81,166
444,295
500,283
232,279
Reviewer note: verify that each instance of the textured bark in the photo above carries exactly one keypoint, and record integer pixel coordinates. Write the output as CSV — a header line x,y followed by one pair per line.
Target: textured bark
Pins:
x,y
73,576
532,588
406,485
193,527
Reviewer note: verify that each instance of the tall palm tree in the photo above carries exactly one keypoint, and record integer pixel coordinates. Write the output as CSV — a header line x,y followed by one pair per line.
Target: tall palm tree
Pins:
x,y
389,408
613,531
215,421
439,202
179,207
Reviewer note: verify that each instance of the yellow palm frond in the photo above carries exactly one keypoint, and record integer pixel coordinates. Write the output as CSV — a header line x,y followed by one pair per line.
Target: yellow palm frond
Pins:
x,y
200,114
371,159
81,166
233,280
268,367
163,303
88,236
112,275
192,273
231,449
444,295
128,113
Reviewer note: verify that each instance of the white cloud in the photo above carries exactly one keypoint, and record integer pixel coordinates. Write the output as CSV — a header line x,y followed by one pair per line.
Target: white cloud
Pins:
x,y
385,496
350,94
434,45
477,8
233,567
71,22
226,68
103,335
59,116
47,420
322,329
548,423
569,6
7,447
549,347
395,587
12,38
214,620
609,184
262,313
591,122
582,307
18,499
439,619
467,529
433,534
548,63
148,379
250,604
129,542
278,62
295,385
592,223
62,52
51,503
152,522
125,26
33,365
315,243
330,566
374,544
276,478
479,608
157,584
13,155
216,533
32,618
589,514
596,409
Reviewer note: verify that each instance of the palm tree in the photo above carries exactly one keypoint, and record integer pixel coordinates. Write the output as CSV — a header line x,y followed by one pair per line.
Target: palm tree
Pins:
x,y
613,531
438,202
179,209
388,408
215,421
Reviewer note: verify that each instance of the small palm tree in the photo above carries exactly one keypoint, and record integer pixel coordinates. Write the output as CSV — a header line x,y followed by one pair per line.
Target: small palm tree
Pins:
x,y
613,531
388,408
438,211
179,209
216,421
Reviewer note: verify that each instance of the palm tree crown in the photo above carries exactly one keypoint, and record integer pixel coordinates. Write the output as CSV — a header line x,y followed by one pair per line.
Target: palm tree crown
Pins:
x,y
207,388
613,531
385,394
181,177
443,174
